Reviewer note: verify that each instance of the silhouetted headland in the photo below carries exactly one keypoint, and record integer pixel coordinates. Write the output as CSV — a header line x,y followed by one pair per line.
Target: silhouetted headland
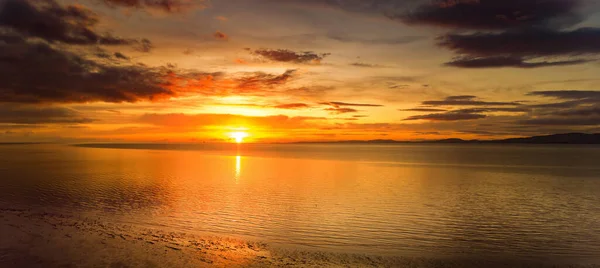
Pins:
x,y
567,138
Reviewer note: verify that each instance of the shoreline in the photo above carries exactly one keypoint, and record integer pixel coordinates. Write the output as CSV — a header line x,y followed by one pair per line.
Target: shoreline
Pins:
x,y
53,240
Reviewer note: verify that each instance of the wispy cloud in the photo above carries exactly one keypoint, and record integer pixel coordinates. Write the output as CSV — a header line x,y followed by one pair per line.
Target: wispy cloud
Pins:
x,y
285,55
166,6
292,106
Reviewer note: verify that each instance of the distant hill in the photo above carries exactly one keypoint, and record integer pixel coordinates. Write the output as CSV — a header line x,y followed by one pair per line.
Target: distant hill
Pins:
x,y
567,138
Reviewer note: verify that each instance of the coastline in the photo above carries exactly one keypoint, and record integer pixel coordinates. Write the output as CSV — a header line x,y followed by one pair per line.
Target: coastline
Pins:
x,y
54,240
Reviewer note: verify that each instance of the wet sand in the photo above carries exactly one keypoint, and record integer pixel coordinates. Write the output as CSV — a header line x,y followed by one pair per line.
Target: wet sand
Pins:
x,y
31,239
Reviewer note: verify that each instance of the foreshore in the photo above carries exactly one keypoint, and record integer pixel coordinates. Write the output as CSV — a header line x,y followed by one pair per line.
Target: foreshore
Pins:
x,y
53,240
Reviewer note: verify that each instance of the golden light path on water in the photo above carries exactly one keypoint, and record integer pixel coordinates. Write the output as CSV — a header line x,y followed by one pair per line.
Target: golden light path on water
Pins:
x,y
238,168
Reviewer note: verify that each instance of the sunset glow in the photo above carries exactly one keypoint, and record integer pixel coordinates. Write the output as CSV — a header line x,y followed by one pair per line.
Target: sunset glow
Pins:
x,y
300,133
238,136
188,70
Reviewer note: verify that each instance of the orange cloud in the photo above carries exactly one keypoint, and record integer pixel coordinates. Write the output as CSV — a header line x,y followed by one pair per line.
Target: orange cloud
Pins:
x,y
204,120
292,106
221,36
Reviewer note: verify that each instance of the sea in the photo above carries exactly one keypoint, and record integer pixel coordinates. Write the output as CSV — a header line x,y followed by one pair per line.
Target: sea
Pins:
x,y
425,200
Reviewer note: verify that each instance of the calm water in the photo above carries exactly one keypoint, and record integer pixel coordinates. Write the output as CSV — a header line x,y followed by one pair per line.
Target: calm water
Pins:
x,y
410,200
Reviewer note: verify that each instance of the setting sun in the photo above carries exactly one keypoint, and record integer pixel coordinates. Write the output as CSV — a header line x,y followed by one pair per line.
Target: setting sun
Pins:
x,y
238,136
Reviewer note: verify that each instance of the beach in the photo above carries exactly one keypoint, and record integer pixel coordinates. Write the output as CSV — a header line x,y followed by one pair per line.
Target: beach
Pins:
x,y
54,240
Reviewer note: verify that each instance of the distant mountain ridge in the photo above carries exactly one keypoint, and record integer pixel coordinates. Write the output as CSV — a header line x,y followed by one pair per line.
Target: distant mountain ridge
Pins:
x,y
566,138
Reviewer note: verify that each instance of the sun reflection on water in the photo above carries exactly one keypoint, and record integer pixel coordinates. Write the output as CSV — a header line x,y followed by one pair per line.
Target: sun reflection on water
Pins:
x,y
238,168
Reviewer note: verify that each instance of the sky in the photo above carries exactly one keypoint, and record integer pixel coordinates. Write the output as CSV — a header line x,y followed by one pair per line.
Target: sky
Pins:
x,y
297,70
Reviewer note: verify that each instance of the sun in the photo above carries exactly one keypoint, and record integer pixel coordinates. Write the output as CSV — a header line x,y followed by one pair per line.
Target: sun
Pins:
x,y
238,136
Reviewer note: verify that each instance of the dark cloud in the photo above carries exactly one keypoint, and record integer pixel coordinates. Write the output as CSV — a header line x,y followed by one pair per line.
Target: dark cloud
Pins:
x,y
220,36
37,72
102,54
27,114
427,110
292,106
466,101
480,111
526,33
341,104
260,79
50,21
568,94
120,55
525,43
588,111
168,6
564,104
514,62
571,99
143,45
335,110
494,109
523,48
448,116
579,108
284,55
492,14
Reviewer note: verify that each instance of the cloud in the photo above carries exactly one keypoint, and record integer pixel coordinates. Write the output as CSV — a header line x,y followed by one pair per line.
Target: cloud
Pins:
x,y
260,79
335,110
338,107
220,36
448,116
476,109
510,33
494,109
466,101
291,106
203,120
143,45
525,43
366,65
189,82
376,41
568,94
120,55
309,91
37,72
578,108
588,111
29,115
166,6
531,47
341,104
514,62
284,55
492,14
50,21
424,110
